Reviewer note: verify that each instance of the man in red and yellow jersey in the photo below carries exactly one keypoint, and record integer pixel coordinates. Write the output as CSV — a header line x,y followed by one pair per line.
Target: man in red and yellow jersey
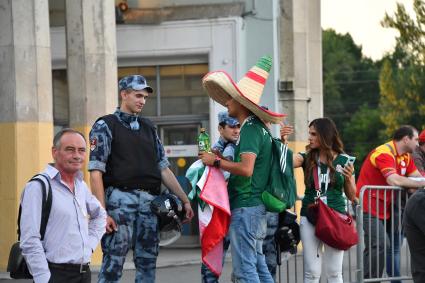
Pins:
x,y
387,165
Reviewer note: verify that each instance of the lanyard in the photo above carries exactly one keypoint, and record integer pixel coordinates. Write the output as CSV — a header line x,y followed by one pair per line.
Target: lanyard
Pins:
x,y
316,177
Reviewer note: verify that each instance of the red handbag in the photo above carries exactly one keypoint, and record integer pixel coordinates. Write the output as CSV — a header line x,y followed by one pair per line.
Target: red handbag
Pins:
x,y
333,228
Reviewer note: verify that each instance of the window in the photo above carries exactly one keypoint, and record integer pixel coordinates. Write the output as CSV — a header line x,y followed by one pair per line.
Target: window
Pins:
x,y
60,99
178,97
181,90
177,89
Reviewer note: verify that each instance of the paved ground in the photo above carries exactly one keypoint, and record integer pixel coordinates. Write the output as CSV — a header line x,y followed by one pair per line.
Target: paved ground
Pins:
x,y
173,266
173,274
183,266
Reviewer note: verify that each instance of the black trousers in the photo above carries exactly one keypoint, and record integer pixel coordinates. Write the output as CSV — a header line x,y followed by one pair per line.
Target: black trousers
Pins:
x,y
59,275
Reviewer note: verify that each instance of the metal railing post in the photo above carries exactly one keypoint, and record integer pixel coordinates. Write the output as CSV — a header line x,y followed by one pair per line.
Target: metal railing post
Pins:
x,y
395,194
360,244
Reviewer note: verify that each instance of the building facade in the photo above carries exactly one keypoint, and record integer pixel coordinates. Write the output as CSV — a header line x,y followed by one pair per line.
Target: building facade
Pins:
x,y
60,61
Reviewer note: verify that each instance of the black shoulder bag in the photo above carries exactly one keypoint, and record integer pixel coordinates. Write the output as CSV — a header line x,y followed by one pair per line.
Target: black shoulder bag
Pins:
x,y
17,267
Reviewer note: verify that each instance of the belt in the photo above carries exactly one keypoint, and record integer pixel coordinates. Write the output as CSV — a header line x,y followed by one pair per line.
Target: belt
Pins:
x,y
81,268
129,189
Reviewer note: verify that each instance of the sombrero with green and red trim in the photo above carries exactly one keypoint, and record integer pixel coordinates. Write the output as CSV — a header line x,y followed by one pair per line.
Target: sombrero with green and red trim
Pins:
x,y
221,87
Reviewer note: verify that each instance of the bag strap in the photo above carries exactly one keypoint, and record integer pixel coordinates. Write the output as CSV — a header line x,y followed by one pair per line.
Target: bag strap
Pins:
x,y
317,186
46,205
269,180
284,150
272,155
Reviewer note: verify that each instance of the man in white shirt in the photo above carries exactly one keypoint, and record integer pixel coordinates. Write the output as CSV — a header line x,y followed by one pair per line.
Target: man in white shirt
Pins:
x,y
76,222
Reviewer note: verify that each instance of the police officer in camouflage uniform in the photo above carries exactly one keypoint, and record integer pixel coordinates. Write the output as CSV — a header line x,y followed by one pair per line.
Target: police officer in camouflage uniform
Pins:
x,y
127,165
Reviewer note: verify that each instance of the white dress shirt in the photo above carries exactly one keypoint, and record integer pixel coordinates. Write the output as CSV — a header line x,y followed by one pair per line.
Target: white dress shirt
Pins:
x,y
76,224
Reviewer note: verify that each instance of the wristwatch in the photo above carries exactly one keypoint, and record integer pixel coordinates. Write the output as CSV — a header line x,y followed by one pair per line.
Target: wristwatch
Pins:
x,y
217,160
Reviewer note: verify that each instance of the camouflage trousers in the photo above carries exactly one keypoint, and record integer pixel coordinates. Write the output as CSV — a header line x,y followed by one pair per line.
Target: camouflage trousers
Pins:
x,y
137,229
269,250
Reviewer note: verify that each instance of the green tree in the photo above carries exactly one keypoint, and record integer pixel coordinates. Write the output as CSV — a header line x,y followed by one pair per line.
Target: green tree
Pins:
x,y
410,42
349,79
401,80
351,92
361,133
340,57
339,62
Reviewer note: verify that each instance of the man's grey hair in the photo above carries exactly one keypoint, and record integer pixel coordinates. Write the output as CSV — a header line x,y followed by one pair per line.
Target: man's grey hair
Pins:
x,y
58,136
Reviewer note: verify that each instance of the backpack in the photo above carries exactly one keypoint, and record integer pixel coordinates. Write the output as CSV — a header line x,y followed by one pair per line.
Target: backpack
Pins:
x,y
280,191
16,265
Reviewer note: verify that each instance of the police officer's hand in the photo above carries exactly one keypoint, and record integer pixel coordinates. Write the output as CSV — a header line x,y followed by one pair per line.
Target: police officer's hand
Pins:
x,y
111,226
189,212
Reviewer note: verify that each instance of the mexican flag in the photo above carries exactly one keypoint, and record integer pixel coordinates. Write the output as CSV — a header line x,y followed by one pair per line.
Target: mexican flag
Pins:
x,y
214,218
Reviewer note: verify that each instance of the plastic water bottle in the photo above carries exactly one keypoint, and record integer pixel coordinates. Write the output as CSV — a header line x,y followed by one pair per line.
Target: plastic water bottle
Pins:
x,y
204,143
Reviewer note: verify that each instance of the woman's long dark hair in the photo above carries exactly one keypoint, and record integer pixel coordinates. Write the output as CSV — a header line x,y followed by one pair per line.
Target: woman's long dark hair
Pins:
x,y
329,142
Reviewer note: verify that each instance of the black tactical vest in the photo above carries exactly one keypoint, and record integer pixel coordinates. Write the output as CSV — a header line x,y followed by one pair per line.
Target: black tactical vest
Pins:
x,y
133,162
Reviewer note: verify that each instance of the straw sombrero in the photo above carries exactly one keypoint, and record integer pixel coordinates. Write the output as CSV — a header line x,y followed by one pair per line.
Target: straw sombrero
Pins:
x,y
221,87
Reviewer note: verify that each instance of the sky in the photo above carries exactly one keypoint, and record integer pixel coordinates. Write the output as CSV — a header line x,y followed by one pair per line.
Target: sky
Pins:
x,y
361,18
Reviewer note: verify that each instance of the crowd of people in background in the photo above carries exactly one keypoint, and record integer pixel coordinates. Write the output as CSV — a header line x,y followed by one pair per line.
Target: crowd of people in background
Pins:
x,y
127,166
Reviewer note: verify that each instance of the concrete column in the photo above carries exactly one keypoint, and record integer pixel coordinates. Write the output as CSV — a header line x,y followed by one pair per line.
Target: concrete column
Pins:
x,y
26,119
92,65
300,85
301,63
91,60
315,60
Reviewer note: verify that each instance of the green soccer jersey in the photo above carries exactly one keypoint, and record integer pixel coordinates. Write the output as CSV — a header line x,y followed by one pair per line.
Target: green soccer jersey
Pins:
x,y
246,191
334,193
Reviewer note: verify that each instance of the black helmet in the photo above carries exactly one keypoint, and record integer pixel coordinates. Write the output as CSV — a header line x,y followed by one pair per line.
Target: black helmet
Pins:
x,y
287,236
170,212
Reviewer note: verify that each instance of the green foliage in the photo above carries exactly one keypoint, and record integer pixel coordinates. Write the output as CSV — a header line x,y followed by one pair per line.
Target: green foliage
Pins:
x,y
411,30
367,112
401,80
351,92
389,99
349,79
361,132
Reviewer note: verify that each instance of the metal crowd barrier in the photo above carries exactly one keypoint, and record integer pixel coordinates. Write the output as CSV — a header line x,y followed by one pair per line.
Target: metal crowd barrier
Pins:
x,y
391,234
291,270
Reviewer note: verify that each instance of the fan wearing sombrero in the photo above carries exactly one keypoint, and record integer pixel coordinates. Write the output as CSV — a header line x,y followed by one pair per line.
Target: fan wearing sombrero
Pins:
x,y
252,162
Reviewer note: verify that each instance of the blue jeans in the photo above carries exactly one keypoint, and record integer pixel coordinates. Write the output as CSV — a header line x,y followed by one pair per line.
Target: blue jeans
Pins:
x,y
247,231
137,230
269,250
